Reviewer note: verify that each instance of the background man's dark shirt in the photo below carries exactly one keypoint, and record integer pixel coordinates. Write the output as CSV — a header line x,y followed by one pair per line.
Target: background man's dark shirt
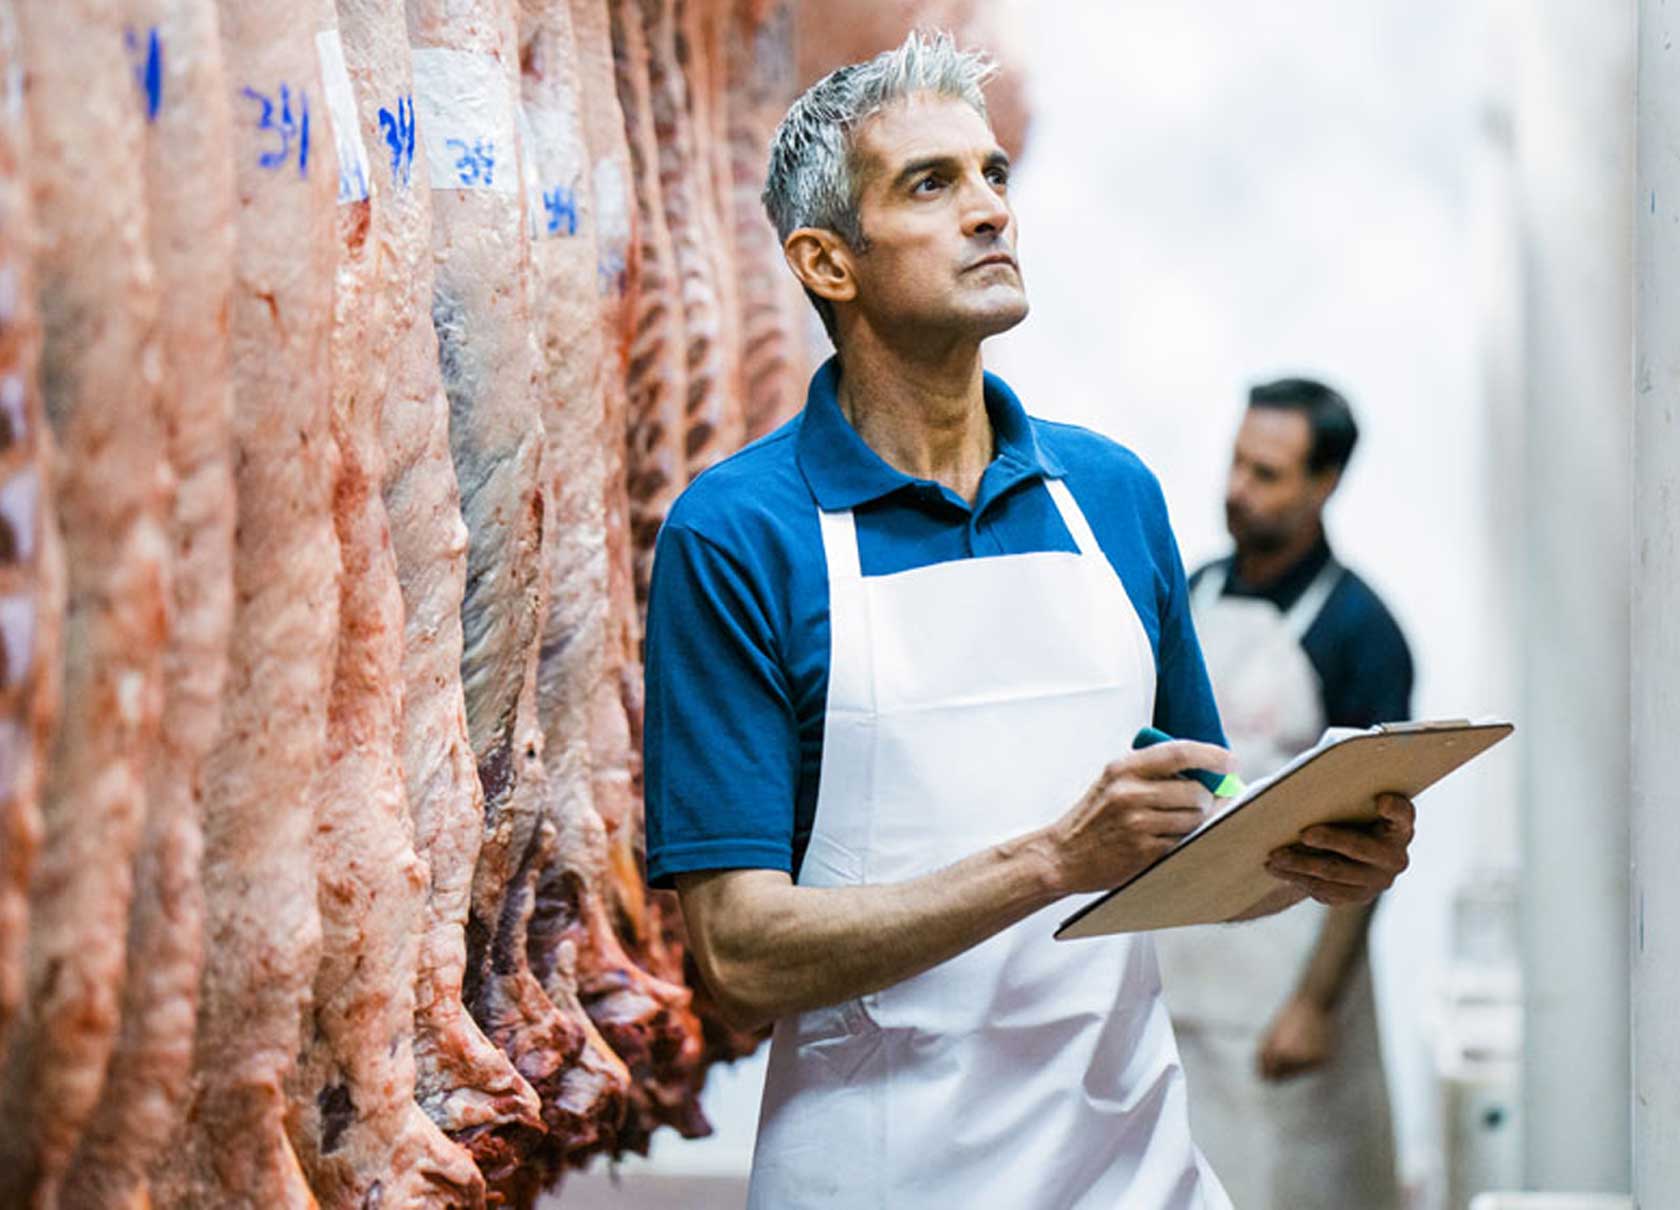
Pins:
x,y
1355,644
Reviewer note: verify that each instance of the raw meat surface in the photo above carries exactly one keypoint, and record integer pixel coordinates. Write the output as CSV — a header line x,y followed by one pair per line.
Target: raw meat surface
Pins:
x,y
354,1122
262,927
464,1083
31,569
191,234
111,493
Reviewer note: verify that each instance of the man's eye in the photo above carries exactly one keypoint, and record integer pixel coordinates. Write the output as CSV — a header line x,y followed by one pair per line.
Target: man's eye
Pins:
x,y
998,177
922,186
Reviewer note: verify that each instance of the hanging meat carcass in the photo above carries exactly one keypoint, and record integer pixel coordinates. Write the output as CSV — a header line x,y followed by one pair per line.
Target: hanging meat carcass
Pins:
x,y
830,35
262,929
31,568
464,1083
646,1019
589,1109
761,87
643,1018
182,87
354,1122
466,88
111,493
657,375
712,420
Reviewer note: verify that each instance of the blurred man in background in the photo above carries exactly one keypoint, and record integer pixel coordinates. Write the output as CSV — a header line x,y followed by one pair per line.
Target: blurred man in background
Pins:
x,y
1276,1021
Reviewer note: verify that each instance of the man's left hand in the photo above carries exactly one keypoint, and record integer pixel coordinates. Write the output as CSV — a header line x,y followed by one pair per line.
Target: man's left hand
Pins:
x,y
1300,1039
1349,863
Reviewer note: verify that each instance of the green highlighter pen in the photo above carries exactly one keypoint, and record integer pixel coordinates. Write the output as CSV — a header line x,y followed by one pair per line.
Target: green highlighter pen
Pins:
x,y
1223,785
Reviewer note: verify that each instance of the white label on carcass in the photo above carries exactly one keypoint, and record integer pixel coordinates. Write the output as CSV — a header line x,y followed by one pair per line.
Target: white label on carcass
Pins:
x,y
528,170
17,634
463,105
554,167
12,408
19,502
347,126
612,224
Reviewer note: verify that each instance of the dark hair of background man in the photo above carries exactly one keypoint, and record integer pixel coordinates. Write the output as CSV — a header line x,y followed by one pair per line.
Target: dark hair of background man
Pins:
x,y
1334,432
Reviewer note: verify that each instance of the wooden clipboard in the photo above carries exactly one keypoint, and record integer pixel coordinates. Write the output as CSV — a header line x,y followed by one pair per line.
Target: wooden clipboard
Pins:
x,y
1219,872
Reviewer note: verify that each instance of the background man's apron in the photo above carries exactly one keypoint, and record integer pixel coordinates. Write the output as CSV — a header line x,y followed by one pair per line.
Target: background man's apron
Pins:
x,y
970,702
1319,1140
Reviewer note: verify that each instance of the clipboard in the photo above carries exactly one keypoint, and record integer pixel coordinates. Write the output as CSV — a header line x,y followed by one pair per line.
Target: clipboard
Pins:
x,y
1218,872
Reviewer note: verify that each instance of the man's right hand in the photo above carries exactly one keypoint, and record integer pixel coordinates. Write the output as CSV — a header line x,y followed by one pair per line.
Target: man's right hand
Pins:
x,y
769,948
1137,810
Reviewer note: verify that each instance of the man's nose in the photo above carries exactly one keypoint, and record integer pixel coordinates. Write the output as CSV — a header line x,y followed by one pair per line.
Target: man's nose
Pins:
x,y
985,211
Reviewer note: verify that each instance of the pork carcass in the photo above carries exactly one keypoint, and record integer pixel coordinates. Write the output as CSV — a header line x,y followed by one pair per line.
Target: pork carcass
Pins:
x,y
178,57
463,1081
466,89
31,569
262,928
354,1122
98,307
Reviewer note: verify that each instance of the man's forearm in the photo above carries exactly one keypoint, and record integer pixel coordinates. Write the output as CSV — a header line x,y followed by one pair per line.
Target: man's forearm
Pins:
x,y
772,948
1341,941
1281,898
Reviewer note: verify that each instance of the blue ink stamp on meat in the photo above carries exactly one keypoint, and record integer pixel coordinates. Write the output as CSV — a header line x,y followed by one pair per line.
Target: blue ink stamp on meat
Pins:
x,y
398,131
286,116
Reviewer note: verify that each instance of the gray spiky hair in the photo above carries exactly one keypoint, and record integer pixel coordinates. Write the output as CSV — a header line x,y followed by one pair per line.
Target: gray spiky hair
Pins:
x,y
811,182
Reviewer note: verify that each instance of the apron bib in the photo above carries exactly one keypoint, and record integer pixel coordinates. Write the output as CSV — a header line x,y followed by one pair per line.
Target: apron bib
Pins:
x,y
1313,1142
969,702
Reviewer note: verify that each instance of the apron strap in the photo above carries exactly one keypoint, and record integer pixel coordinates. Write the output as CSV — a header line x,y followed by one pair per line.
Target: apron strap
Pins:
x,y
1209,588
839,539
1073,518
1300,616
1310,604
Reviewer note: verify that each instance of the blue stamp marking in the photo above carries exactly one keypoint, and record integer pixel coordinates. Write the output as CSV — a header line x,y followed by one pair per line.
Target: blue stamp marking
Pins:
x,y
289,125
398,129
475,162
561,206
148,67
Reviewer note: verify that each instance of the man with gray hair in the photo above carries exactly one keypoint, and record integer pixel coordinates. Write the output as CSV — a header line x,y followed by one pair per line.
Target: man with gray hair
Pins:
x,y
896,652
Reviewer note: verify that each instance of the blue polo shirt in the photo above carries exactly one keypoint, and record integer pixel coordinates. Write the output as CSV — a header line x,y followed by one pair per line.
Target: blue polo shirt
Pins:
x,y
738,635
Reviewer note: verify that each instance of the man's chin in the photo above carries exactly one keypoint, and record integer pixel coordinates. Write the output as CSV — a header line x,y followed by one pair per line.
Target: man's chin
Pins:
x,y
998,319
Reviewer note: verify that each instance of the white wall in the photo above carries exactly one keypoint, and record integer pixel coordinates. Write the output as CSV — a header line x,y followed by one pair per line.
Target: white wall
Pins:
x,y
1656,636
1221,192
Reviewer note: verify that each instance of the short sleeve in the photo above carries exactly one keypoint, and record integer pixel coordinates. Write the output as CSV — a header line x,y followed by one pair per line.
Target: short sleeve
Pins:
x,y
721,738
1367,674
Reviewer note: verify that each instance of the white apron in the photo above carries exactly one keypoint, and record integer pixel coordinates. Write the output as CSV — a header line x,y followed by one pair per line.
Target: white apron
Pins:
x,y
970,702
1323,1139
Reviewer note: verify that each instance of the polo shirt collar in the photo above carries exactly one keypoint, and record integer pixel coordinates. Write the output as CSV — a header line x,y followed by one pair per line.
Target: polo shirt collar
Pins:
x,y
844,472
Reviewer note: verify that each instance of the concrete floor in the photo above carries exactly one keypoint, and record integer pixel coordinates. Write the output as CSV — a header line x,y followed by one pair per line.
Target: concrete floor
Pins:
x,y
647,1191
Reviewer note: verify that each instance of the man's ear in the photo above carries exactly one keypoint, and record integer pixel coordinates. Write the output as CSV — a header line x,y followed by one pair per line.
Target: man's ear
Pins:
x,y
1324,483
822,262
